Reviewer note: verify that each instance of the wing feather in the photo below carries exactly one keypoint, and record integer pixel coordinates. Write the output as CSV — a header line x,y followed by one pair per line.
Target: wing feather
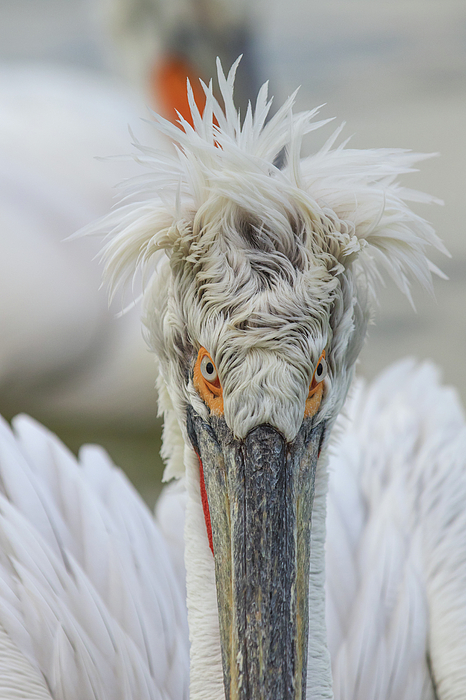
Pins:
x,y
88,594
401,535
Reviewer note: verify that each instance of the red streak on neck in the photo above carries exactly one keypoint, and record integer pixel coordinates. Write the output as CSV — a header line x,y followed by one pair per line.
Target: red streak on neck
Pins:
x,y
205,505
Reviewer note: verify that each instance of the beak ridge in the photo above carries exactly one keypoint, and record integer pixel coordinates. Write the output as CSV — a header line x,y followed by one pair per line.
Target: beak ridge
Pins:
x,y
260,492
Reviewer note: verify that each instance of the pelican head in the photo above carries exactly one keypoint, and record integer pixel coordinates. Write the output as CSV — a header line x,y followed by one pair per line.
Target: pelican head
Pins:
x,y
259,284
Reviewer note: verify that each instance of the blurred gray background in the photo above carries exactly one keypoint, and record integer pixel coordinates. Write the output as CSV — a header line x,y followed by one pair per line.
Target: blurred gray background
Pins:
x,y
74,73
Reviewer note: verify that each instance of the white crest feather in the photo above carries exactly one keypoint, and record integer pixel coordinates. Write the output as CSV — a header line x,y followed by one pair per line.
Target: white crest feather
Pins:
x,y
359,209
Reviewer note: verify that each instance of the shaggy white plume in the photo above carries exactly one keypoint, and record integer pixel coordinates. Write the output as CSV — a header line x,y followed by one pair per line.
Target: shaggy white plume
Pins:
x,y
350,197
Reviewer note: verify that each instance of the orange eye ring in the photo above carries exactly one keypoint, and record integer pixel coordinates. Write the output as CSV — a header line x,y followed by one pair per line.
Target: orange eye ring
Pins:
x,y
207,382
316,388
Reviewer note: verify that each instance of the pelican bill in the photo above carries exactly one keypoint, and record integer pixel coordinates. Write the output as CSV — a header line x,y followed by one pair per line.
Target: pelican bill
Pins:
x,y
260,492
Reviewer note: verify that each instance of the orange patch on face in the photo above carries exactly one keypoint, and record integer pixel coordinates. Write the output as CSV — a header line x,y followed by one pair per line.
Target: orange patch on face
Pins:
x,y
207,383
316,390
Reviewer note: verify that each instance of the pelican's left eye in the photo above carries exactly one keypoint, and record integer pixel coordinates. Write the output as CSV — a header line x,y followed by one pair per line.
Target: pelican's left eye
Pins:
x,y
208,370
316,388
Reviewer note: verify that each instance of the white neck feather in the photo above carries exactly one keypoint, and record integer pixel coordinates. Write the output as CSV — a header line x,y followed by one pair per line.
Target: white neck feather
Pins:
x,y
206,673
319,673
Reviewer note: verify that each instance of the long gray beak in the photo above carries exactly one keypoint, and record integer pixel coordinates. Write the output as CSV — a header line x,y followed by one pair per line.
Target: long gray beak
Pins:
x,y
260,492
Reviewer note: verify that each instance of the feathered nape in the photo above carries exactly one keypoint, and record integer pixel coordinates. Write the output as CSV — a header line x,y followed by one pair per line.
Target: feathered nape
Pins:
x,y
351,198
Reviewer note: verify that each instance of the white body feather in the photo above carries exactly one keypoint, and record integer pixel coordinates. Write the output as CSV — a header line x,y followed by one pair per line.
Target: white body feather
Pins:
x,y
396,537
89,598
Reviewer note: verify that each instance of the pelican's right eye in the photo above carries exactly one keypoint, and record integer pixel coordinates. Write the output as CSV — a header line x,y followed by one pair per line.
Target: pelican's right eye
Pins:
x,y
207,382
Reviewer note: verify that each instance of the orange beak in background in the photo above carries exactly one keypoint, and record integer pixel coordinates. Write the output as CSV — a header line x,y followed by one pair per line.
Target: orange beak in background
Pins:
x,y
168,87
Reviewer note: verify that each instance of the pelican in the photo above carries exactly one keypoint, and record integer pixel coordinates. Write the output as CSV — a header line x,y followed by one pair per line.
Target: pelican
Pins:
x,y
259,283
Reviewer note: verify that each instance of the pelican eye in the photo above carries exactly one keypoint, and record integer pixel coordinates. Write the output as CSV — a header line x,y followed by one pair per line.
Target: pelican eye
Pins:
x,y
207,382
321,370
316,387
208,370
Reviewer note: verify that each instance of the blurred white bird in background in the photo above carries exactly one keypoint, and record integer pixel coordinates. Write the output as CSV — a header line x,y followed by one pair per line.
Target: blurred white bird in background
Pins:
x,y
63,353
259,286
